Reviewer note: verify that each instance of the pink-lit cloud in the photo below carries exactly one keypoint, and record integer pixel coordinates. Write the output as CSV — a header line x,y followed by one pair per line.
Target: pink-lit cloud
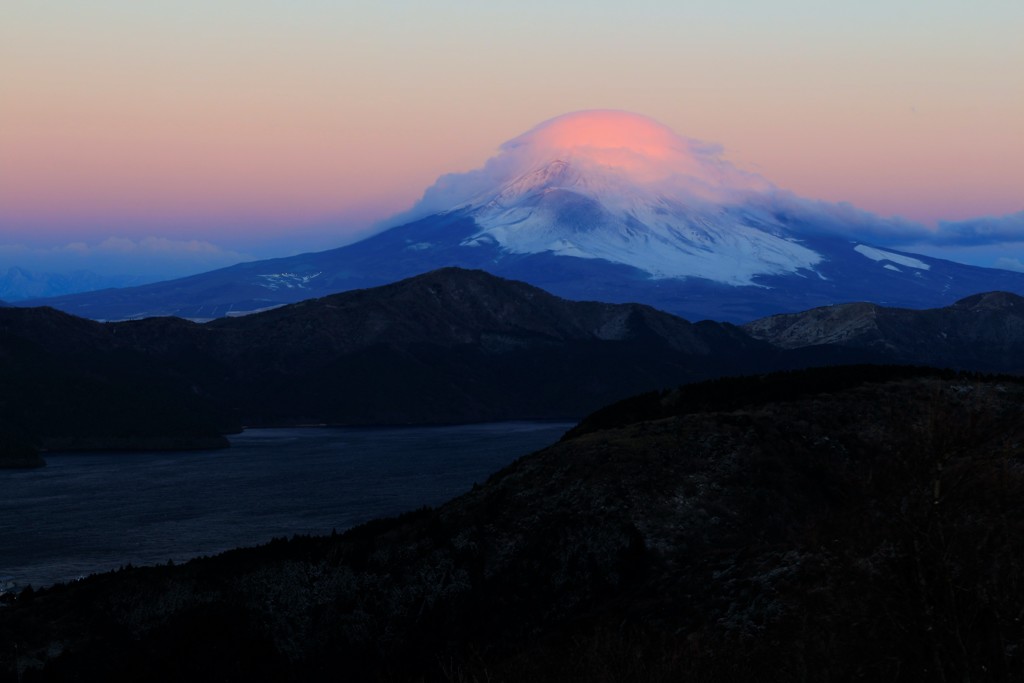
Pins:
x,y
641,151
648,155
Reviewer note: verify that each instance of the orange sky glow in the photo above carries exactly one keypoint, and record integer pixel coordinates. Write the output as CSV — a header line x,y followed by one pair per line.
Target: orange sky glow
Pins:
x,y
233,121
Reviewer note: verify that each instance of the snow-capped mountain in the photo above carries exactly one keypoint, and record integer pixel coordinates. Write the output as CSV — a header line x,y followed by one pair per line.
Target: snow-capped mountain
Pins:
x,y
600,205
565,210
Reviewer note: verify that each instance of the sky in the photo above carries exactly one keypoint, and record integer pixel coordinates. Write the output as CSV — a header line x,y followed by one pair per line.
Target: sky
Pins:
x,y
166,137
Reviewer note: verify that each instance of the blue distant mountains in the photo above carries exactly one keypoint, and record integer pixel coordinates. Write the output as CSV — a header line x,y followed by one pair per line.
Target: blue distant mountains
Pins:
x,y
20,284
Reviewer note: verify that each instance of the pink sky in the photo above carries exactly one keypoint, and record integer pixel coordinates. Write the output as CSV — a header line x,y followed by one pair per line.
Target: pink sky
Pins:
x,y
242,124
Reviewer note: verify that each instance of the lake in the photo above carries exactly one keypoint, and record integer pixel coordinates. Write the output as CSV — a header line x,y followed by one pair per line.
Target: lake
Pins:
x,y
92,512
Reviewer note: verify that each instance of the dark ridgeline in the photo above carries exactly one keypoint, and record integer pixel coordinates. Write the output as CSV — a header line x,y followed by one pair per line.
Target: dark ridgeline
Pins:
x,y
856,523
66,384
981,332
460,346
446,347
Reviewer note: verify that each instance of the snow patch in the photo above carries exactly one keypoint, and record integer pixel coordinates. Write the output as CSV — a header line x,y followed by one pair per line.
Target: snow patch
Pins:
x,y
276,281
889,266
880,255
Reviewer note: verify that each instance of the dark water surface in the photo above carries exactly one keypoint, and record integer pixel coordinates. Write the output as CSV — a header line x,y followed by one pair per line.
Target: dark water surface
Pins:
x,y
90,512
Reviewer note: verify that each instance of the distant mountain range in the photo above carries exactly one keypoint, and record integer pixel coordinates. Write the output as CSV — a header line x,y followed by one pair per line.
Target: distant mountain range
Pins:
x,y
20,284
602,206
449,346
847,524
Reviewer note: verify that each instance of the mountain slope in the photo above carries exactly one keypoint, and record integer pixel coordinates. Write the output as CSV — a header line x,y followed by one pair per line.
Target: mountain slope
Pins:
x,y
844,274
601,206
65,383
449,346
845,525
982,332
579,210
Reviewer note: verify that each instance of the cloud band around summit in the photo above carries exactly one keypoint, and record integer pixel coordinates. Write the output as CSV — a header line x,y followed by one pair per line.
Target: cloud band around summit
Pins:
x,y
653,156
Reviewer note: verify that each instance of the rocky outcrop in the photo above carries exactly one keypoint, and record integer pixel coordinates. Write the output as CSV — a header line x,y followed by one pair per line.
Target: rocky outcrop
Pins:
x,y
839,324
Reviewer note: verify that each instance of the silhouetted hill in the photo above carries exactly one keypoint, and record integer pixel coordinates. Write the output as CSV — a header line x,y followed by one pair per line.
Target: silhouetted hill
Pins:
x,y
449,346
819,527
980,332
457,345
65,383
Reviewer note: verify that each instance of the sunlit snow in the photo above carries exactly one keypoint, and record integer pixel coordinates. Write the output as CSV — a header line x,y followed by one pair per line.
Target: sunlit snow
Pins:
x,y
880,255
588,211
275,281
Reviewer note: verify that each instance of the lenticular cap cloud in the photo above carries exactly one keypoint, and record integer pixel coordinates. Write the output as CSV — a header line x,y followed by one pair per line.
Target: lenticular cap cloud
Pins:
x,y
643,151
652,157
